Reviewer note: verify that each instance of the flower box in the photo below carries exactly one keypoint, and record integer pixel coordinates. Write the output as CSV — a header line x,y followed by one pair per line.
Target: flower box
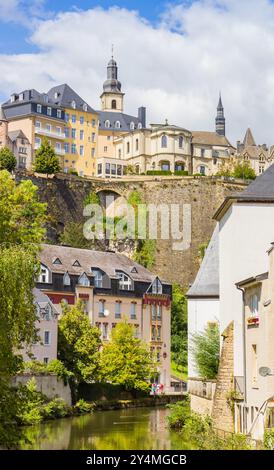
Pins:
x,y
253,321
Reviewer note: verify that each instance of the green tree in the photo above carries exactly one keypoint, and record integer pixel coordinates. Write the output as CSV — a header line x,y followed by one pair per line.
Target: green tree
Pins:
x,y
7,159
18,269
78,343
46,161
73,236
22,216
205,348
145,253
126,360
179,326
243,170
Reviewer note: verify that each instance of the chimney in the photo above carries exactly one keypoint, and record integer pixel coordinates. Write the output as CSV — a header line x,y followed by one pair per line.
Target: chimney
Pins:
x,y
142,116
238,145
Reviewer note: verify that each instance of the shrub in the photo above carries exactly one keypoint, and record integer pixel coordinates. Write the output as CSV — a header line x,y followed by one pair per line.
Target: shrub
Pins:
x,y
57,367
159,172
7,159
269,439
181,173
179,414
206,349
56,408
72,172
83,407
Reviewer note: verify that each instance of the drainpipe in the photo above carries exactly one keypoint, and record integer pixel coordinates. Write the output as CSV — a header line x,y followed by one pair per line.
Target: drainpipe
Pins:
x,y
244,341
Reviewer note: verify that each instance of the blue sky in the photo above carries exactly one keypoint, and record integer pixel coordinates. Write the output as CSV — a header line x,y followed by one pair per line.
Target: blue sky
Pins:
x,y
14,36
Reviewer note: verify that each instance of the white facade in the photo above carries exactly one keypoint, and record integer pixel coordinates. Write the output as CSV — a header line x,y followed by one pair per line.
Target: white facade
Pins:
x,y
245,231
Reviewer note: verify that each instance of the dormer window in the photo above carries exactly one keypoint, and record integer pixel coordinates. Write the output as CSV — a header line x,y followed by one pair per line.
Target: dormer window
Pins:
x,y
98,277
57,261
84,280
44,276
73,104
132,126
39,108
117,124
76,263
125,282
107,123
66,279
85,107
156,287
140,125
49,111
48,312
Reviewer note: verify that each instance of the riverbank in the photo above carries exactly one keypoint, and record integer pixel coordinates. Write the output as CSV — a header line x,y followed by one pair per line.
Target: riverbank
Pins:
x,y
146,402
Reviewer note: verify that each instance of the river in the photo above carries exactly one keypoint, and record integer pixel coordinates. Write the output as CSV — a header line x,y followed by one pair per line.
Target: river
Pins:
x,y
139,428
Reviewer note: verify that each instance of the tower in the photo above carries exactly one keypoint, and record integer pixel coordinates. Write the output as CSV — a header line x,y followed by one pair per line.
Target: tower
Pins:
x,y
3,129
220,118
112,99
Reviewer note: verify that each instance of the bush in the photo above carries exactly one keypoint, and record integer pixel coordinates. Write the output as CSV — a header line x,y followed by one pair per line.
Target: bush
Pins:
x,y
269,439
181,173
83,407
206,350
56,408
46,161
72,172
179,414
198,174
159,172
57,367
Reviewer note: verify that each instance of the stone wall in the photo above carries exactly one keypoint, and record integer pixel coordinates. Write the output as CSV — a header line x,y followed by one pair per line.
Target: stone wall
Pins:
x,y
222,414
49,385
65,195
201,393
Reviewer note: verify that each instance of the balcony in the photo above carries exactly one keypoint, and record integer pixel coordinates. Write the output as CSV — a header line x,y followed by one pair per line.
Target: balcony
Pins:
x,y
48,133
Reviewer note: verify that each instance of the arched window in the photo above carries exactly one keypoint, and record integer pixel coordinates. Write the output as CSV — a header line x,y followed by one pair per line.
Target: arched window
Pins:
x,y
107,123
140,125
164,141
117,124
73,104
202,170
44,276
85,107
66,279
132,126
137,144
125,282
113,104
179,166
181,141
165,166
254,304
83,280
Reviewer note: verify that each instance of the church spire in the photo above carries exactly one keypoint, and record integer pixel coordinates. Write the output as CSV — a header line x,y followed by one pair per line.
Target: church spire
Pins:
x,y
220,118
112,97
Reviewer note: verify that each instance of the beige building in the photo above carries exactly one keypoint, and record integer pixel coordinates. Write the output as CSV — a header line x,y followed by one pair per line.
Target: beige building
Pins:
x,y
113,288
209,151
260,157
255,411
16,141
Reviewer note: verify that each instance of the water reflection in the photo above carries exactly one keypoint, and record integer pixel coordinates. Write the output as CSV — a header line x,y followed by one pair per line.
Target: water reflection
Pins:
x,y
141,428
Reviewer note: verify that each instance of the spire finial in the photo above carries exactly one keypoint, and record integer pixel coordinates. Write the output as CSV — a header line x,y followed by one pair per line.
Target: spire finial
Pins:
x,y
112,50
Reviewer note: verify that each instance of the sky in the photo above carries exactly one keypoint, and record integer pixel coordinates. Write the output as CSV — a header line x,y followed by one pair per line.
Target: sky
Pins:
x,y
174,57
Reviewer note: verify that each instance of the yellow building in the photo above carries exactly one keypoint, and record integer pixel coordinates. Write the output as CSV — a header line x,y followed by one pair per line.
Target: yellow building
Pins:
x,y
80,129
37,117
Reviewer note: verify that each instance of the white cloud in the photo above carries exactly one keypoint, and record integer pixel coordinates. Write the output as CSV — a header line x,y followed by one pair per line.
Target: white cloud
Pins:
x,y
175,69
25,12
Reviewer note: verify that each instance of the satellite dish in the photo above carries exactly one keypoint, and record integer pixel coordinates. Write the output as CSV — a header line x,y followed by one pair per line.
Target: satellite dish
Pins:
x,y
264,371
106,313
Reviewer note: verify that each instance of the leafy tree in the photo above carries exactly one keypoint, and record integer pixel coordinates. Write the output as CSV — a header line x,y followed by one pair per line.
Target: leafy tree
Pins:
x,y
22,216
179,326
46,160
145,253
7,159
78,343
205,348
244,170
18,269
126,360
73,236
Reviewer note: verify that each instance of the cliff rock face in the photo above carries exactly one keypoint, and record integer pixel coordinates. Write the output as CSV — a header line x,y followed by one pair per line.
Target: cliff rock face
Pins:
x,y
65,196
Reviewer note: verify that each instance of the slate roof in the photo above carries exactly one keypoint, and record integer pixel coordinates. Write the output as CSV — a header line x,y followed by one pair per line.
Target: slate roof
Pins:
x,y
65,97
108,262
210,138
13,135
261,189
256,151
125,120
248,139
206,283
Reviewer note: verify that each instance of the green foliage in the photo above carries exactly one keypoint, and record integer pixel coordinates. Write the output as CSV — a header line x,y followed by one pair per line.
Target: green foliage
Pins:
x,y
159,172
56,408
145,253
243,170
130,170
31,403
83,406
92,198
202,249
78,343
126,360
206,350
53,367
72,172
46,160
134,199
179,414
269,439
22,216
180,173
7,159
179,326
73,236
